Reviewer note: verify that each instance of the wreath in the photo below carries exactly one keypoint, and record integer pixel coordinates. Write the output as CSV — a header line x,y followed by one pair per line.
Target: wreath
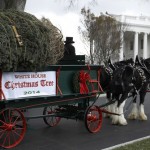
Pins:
x,y
81,82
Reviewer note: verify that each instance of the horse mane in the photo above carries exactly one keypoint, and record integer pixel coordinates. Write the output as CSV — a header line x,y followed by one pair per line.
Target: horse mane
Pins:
x,y
147,60
147,63
110,64
144,64
138,61
124,62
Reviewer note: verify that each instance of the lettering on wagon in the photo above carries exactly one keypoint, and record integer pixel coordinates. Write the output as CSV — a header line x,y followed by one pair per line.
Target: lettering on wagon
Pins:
x,y
12,85
23,84
36,75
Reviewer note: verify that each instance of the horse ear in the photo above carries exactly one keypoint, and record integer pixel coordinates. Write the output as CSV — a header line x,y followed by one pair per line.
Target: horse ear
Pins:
x,y
136,58
109,61
137,61
131,60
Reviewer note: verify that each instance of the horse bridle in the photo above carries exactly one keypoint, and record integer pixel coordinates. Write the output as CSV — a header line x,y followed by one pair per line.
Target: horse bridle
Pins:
x,y
108,71
142,76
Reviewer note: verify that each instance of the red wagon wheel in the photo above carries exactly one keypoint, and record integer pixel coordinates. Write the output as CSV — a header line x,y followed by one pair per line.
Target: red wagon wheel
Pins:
x,y
93,119
12,127
51,120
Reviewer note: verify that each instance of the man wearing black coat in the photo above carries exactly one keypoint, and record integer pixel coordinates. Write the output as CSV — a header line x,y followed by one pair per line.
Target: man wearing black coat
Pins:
x,y
69,48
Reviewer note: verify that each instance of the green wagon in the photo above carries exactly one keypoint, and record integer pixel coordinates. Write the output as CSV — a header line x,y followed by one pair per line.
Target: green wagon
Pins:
x,y
63,91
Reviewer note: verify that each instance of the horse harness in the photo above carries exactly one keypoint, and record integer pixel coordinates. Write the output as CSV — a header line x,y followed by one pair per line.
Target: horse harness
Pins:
x,y
132,83
141,73
120,79
108,71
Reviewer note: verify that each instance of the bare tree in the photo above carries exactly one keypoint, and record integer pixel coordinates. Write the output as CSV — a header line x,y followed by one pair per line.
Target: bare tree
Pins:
x,y
108,37
20,4
106,33
86,30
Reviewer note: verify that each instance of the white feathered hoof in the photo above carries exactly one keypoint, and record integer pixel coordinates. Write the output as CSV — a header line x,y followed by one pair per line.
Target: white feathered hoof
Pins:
x,y
143,117
134,113
133,116
114,120
122,121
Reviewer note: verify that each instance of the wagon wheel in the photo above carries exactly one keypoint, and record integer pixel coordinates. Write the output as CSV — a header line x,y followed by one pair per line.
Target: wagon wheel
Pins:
x,y
12,127
93,119
51,120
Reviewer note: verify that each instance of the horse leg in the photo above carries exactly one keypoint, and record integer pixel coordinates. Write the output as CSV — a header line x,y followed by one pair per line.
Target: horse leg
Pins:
x,y
134,112
108,108
119,109
142,115
121,118
114,109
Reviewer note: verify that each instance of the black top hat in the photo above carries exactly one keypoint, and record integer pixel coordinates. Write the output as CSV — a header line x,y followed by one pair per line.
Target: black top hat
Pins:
x,y
69,40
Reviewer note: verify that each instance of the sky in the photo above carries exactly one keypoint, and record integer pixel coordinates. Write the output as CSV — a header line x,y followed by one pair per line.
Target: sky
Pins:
x,y
68,19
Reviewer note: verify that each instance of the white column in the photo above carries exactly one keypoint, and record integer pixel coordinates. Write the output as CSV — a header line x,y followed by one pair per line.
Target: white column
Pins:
x,y
121,49
135,44
145,46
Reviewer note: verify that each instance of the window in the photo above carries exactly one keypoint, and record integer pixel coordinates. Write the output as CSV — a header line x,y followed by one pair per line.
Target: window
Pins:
x,y
131,45
142,44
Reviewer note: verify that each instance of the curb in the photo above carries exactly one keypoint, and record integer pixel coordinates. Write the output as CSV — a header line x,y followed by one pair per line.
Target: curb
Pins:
x,y
126,143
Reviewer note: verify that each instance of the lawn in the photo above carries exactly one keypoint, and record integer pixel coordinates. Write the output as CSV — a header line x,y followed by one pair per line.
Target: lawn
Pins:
x,y
141,145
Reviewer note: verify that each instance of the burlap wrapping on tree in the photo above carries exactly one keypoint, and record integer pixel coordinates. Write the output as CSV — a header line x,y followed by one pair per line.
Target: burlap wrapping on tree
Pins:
x,y
26,43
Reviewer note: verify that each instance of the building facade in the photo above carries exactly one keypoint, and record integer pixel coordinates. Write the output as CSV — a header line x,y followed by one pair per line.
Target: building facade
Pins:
x,y
136,37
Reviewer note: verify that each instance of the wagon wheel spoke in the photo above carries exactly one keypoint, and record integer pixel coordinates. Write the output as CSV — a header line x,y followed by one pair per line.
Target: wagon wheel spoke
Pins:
x,y
51,120
12,129
93,119
9,116
19,126
16,119
16,133
93,125
2,133
4,118
1,122
5,139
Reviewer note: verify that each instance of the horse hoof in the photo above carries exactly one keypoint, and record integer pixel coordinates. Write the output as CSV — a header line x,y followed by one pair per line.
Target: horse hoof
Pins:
x,y
143,117
132,117
114,122
123,123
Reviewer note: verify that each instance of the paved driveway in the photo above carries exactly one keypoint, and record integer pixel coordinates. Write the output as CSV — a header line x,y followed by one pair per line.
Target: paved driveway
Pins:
x,y
72,135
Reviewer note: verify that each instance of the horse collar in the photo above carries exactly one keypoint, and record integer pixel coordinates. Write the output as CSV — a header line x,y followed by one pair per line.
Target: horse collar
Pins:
x,y
109,72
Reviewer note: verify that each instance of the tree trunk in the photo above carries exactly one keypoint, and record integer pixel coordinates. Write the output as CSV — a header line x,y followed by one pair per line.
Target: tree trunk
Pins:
x,y
91,52
13,4
2,4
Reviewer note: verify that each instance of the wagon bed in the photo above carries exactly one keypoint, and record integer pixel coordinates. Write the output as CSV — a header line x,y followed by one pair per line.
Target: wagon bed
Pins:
x,y
76,88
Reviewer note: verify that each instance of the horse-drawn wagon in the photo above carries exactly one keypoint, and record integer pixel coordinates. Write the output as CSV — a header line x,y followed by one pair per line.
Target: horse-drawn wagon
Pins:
x,y
63,91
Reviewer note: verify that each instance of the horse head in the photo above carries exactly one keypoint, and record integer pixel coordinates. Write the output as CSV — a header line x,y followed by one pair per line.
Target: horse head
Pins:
x,y
105,77
128,74
147,63
124,63
144,64
138,61
109,64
